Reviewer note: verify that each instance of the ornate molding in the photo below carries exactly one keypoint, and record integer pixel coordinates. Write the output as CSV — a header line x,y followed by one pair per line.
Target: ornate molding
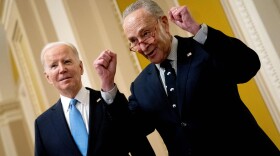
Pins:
x,y
133,56
22,60
9,111
248,26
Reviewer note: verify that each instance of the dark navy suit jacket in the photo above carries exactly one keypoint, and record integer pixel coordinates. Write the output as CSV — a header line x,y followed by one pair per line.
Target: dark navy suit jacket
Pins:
x,y
210,118
108,136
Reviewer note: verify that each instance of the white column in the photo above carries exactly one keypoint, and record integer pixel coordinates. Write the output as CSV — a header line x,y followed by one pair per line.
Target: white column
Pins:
x,y
63,28
8,143
7,83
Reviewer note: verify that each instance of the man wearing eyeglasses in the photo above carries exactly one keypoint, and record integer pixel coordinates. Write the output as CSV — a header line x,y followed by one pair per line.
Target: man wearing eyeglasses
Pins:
x,y
207,116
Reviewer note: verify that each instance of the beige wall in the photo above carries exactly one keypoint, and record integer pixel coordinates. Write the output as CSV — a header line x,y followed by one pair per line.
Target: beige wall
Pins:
x,y
26,25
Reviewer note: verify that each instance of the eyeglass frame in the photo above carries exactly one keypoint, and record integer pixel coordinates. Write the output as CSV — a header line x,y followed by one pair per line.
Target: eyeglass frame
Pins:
x,y
153,34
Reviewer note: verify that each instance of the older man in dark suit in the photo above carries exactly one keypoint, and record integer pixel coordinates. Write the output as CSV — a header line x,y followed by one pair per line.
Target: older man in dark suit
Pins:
x,y
56,132
193,102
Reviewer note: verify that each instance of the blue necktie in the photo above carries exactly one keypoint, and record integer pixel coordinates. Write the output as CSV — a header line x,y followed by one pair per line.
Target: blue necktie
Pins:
x,y
78,127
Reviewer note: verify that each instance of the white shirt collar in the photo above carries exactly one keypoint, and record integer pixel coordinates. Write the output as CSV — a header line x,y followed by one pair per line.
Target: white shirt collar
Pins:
x,y
81,97
173,53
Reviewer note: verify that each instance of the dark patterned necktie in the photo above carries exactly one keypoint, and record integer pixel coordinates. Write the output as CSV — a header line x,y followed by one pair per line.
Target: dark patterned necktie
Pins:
x,y
170,82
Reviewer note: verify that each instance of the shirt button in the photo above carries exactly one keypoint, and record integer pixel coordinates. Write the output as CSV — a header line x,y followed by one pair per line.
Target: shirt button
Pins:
x,y
174,105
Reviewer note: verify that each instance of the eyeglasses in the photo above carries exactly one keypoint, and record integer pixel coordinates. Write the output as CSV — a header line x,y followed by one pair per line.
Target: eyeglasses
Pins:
x,y
147,38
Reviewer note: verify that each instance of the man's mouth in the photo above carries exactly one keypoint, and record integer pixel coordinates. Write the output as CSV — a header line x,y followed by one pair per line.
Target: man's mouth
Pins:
x,y
64,78
150,53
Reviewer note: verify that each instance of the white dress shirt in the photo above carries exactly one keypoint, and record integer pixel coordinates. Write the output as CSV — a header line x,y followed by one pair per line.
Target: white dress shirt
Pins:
x,y
82,105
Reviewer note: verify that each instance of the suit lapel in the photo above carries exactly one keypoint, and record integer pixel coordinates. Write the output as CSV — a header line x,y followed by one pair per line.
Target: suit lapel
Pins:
x,y
62,128
155,80
185,54
95,119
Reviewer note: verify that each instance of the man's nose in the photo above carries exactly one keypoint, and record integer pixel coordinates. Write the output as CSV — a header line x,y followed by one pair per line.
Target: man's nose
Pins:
x,y
62,68
142,46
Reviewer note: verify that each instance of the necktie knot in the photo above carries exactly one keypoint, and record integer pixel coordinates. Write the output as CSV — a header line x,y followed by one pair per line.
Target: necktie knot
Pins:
x,y
166,64
73,102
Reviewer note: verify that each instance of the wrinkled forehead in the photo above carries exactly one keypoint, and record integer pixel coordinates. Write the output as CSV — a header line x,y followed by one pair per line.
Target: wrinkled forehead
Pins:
x,y
137,21
59,52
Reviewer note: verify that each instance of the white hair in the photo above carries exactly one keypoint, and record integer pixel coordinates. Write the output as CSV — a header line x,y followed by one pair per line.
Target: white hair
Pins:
x,y
54,44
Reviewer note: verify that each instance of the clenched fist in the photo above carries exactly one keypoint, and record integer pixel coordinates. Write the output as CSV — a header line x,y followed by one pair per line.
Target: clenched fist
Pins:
x,y
105,66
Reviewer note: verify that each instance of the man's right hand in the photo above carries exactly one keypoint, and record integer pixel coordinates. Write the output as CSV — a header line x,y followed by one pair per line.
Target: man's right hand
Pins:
x,y
105,66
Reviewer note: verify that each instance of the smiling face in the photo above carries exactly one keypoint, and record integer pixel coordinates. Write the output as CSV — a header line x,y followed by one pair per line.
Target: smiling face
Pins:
x,y
137,23
63,69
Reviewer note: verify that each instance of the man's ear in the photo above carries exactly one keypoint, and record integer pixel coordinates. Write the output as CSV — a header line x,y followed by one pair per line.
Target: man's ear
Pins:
x,y
165,23
48,78
82,67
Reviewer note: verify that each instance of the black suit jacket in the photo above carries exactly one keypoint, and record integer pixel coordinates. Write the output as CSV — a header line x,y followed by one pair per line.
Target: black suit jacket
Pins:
x,y
210,118
108,136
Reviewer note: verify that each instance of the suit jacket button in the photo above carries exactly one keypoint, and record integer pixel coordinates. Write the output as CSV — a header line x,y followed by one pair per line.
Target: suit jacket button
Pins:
x,y
183,124
174,105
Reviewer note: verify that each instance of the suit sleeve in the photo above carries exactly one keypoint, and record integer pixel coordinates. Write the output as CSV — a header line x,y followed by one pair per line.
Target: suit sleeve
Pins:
x,y
137,144
231,56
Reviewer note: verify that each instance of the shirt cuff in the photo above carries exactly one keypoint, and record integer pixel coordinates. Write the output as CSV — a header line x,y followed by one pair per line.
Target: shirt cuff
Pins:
x,y
201,35
110,95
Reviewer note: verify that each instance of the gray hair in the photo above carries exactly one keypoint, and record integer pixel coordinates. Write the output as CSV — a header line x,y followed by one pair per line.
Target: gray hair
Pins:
x,y
149,5
54,44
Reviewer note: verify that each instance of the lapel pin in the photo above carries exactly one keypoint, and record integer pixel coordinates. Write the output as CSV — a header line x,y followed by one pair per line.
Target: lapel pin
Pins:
x,y
98,100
